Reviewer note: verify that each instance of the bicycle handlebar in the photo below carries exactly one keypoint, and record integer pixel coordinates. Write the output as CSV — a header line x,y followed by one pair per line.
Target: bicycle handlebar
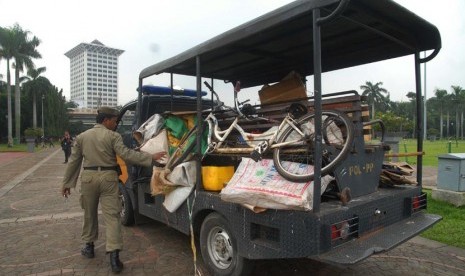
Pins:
x,y
242,103
220,103
237,104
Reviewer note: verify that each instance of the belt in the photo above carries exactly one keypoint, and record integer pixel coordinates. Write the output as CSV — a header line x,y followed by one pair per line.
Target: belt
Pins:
x,y
97,168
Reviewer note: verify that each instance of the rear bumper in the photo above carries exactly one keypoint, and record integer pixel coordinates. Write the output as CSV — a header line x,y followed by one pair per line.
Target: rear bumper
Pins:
x,y
378,241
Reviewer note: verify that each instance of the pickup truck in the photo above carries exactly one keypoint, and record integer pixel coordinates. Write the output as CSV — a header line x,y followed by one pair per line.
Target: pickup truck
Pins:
x,y
310,37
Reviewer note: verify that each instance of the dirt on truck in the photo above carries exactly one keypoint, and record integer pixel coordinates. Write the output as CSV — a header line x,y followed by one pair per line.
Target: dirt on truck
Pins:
x,y
295,175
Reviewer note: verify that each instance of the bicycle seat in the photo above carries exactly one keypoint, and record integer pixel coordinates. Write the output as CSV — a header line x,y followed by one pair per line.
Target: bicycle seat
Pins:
x,y
248,110
297,110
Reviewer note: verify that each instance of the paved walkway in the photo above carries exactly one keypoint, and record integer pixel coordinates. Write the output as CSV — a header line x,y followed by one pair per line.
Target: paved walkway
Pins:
x,y
40,235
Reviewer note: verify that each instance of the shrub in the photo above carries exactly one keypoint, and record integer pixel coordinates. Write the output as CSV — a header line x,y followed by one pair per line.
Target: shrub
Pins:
x,y
433,131
33,132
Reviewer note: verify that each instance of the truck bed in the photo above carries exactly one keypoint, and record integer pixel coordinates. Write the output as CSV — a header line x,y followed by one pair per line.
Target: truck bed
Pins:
x,y
378,222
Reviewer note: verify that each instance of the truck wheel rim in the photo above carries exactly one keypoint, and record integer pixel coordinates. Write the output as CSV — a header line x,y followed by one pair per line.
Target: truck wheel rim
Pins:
x,y
220,247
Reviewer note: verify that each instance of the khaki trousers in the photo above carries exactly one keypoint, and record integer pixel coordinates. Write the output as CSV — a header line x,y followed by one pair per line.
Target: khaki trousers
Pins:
x,y
103,186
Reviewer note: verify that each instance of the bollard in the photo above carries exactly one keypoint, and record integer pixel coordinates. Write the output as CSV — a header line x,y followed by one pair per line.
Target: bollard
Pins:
x,y
449,147
405,150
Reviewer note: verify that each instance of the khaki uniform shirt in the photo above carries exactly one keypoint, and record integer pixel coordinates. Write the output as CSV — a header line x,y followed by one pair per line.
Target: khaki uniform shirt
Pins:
x,y
99,146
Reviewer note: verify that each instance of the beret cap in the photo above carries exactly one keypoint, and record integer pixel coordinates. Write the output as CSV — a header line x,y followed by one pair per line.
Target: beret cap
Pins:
x,y
108,111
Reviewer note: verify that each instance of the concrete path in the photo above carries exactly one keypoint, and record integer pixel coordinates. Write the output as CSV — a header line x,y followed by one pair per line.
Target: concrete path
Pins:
x,y
40,235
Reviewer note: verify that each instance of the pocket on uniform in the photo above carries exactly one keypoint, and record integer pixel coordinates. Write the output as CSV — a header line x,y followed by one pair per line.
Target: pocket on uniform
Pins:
x,y
86,184
85,178
110,183
110,192
111,178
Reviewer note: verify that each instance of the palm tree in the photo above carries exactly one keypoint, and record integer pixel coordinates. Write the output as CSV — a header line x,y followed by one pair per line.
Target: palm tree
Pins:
x,y
458,96
440,95
413,98
23,55
448,100
374,92
33,76
7,48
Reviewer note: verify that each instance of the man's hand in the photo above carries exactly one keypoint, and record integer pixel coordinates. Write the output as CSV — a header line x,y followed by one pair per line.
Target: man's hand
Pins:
x,y
158,155
66,192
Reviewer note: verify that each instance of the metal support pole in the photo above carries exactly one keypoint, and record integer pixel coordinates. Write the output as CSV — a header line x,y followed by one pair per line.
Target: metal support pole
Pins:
x,y
317,105
419,119
43,129
425,137
139,104
199,123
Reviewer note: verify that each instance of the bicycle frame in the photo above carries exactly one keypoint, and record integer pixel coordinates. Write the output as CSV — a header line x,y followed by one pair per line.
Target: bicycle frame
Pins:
x,y
222,135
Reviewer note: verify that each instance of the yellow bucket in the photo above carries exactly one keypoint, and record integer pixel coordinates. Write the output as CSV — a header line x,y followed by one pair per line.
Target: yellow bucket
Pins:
x,y
215,178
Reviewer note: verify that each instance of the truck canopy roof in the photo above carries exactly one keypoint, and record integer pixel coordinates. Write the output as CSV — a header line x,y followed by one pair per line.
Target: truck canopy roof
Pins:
x,y
267,48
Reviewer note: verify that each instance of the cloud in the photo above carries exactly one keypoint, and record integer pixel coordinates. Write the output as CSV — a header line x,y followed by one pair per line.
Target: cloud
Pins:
x,y
151,31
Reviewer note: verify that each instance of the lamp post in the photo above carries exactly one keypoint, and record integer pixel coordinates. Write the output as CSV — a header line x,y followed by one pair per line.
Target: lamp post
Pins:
x,y
43,130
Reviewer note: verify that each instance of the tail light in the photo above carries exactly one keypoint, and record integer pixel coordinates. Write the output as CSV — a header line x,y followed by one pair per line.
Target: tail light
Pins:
x,y
418,203
343,230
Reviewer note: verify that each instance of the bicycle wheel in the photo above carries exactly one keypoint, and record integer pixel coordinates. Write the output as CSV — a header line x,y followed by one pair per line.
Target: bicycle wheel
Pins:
x,y
338,136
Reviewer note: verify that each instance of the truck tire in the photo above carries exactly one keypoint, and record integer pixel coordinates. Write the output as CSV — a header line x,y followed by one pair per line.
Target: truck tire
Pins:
x,y
219,248
127,213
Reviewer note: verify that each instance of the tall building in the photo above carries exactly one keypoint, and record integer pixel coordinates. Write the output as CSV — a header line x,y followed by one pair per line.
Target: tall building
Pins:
x,y
94,74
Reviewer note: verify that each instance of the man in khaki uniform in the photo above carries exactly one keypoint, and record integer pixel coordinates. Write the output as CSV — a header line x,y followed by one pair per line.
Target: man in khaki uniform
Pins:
x,y
97,148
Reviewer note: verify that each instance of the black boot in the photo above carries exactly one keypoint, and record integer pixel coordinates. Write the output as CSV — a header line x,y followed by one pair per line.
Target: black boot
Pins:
x,y
116,264
88,250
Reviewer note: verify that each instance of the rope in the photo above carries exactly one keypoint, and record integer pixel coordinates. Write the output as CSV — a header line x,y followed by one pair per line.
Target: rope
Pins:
x,y
191,229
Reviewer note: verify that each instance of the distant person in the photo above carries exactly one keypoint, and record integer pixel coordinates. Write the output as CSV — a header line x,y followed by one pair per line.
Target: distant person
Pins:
x,y
66,144
44,141
96,149
50,142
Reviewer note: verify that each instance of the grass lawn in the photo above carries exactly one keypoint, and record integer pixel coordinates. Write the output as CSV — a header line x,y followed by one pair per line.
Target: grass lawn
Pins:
x,y
451,229
432,150
15,148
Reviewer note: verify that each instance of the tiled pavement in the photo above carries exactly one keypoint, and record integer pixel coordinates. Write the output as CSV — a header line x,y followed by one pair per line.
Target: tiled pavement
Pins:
x,y
40,235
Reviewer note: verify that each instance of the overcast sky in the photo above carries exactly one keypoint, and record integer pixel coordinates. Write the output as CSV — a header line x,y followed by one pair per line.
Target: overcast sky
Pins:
x,y
151,31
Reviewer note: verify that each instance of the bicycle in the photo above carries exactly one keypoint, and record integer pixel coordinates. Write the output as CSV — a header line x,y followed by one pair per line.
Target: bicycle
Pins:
x,y
292,141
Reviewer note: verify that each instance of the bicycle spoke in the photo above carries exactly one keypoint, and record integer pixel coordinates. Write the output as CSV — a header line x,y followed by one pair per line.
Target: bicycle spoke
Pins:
x,y
337,131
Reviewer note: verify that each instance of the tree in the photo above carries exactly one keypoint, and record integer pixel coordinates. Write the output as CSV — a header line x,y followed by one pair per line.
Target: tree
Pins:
x,y
374,93
458,96
395,123
33,76
413,107
7,48
23,54
440,95
448,99
32,92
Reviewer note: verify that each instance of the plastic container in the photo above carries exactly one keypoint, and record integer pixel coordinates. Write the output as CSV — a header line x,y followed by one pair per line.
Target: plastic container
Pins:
x,y
215,177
